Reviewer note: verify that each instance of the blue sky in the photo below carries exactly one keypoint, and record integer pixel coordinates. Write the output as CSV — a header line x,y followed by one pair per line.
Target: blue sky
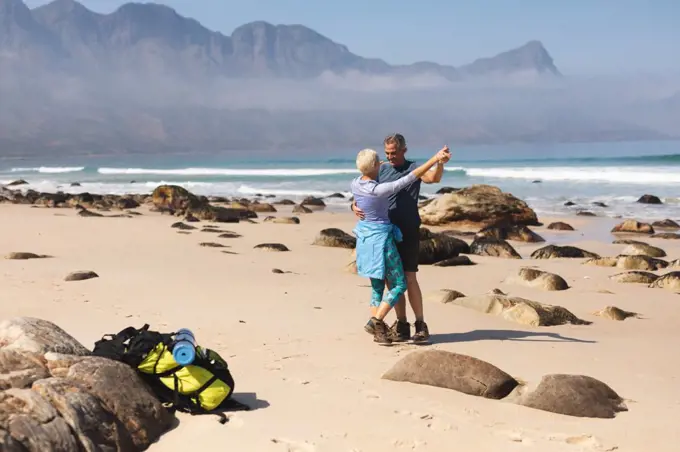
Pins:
x,y
585,37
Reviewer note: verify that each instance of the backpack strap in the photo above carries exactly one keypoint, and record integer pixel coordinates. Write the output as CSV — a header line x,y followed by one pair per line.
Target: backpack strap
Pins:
x,y
113,346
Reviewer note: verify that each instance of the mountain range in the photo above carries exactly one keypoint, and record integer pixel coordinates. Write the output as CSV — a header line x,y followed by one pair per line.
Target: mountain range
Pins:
x,y
73,80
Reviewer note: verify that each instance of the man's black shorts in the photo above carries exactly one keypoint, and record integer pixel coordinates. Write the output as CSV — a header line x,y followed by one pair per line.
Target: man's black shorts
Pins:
x,y
409,248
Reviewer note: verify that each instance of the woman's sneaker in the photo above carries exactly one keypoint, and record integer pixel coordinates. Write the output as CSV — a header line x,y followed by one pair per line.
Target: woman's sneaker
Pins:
x,y
380,332
422,334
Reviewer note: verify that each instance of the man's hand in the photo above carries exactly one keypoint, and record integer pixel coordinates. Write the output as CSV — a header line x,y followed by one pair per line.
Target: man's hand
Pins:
x,y
444,155
357,211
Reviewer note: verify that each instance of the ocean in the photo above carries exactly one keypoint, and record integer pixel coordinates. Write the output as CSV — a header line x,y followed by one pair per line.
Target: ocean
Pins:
x,y
544,175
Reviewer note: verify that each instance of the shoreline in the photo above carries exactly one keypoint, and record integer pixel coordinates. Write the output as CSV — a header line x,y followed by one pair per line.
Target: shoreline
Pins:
x,y
295,341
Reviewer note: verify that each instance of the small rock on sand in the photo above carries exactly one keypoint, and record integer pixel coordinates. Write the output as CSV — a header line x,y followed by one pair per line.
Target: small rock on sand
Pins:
x,y
493,248
639,262
271,247
229,235
212,245
282,220
666,235
560,226
23,256
614,313
299,208
539,279
182,226
556,251
454,262
443,296
635,277
81,276
335,238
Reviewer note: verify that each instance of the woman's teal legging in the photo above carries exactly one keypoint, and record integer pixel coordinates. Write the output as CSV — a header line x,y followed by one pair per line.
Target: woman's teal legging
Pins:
x,y
394,275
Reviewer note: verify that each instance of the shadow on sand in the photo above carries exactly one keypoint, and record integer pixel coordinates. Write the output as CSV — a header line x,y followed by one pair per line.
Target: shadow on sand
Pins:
x,y
503,335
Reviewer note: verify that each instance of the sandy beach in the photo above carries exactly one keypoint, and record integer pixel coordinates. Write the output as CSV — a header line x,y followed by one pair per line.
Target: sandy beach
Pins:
x,y
295,341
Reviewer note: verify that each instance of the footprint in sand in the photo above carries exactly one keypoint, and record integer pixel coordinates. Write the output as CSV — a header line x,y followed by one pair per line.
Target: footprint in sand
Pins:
x,y
234,421
586,442
370,395
294,446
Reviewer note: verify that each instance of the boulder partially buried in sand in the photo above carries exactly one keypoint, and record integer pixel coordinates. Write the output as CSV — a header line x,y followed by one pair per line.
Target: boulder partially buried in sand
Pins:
x,y
666,235
614,313
436,247
481,205
640,262
271,247
56,397
520,310
635,249
560,226
81,275
335,238
633,227
539,279
493,248
666,224
516,232
21,255
635,277
449,370
556,252
574,395
443,296
670,281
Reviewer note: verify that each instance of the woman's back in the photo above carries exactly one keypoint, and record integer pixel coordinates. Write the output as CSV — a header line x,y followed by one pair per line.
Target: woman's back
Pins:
x,y
374,198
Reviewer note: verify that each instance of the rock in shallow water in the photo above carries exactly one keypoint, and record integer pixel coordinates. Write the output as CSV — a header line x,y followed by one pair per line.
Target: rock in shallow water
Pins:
x,y
449,370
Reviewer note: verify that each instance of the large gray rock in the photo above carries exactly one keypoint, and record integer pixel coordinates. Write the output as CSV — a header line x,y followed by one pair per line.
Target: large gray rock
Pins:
x,y
635,277
55,396
574,395
452,371
516,232
437,247
637,249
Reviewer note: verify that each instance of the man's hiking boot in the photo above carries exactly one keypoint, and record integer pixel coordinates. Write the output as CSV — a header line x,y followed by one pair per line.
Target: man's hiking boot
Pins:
x,y
369,327
400,331
380,332
422,334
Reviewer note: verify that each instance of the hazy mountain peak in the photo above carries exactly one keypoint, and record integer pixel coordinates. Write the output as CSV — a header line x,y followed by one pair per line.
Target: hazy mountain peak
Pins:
x,y
530,57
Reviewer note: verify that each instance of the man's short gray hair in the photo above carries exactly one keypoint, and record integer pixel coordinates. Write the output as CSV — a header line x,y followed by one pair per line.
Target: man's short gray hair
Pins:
x,y
396,138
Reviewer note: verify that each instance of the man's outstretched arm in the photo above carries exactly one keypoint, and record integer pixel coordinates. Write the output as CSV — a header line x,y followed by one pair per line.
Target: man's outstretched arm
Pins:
x,y
434,176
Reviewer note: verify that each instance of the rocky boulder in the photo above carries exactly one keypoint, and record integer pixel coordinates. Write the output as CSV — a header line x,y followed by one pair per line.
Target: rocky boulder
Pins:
x,y
174,198
480,205
666,224
614,313
649,199
667,236
633,227
282,220
635,277
276,247
639,262
560,226
574,395
539,279
455,261
335,238
493,248
437,247
301,209
520,310
54,396
516,232
313,203
449,370
636,249
556,252
670,281
443,296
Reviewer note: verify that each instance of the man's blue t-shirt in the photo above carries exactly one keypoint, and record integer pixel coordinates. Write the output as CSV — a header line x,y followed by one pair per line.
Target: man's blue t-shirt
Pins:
x,y
403,204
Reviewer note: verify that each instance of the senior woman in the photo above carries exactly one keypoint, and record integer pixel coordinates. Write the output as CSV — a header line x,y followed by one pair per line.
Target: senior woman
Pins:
x,y
377,256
